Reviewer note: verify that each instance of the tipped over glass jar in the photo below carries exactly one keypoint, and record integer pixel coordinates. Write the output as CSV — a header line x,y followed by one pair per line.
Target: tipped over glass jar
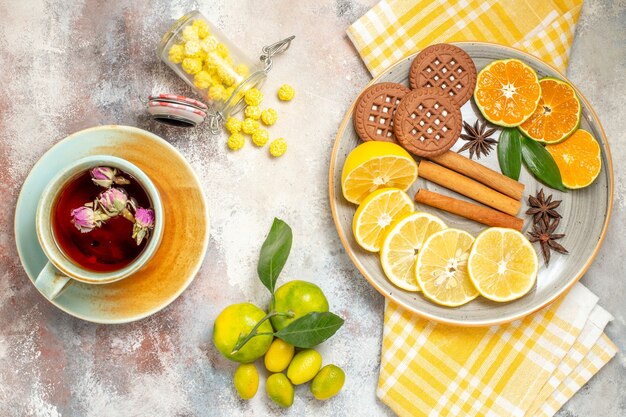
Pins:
x,y
213,66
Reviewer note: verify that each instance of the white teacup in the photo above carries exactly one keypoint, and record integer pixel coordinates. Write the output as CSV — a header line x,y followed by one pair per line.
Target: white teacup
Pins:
x,y
60,269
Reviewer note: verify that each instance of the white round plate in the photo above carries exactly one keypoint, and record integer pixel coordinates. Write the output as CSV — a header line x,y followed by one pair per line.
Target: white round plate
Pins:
x,y
585,212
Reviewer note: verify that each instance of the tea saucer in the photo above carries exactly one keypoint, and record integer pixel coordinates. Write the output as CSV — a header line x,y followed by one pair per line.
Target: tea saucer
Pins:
x,y
186,230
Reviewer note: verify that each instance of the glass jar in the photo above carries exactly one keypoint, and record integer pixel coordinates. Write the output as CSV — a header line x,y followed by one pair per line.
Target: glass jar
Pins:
x,y
213,66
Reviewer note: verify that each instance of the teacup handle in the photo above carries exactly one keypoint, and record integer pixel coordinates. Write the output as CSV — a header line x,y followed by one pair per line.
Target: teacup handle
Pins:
x,y
51,282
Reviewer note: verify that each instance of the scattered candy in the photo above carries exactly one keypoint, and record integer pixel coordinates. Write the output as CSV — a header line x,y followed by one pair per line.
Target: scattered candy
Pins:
x,y
202,55
286,92
253,112
269,116
253,97
249,126
278,147
260,137
236,141
233,124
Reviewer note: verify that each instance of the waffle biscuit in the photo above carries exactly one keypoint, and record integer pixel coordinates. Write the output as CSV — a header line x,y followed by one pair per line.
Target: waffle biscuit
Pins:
x,y
445,67
374,110
427,122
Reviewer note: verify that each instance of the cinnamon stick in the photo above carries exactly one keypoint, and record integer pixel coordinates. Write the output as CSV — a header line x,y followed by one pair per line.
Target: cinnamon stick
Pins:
x,y
468,210
481,173
463,185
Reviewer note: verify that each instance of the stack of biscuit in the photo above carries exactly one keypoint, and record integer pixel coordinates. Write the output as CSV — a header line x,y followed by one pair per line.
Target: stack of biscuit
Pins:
x,y
425,119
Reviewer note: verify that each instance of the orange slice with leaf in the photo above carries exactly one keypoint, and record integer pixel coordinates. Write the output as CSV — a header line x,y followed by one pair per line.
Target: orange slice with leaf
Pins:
x,y
579,159
557,115
507,92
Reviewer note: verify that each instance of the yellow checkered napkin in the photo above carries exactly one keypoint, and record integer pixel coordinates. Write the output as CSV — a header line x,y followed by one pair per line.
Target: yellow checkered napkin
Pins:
x,y
527,368
590,352
396,28
430,369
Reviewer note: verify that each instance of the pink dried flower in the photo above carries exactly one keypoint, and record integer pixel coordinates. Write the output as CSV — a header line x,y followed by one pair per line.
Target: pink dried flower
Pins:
x,y
144,222
113,201
86,219
106,176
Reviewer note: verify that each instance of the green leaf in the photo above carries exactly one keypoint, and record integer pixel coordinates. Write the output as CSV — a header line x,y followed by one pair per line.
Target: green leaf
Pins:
x,y
274,253
541,164
311,329
510,152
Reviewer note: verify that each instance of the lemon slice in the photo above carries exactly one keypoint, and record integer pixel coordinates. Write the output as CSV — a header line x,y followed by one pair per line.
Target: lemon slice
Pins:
x,y
373,218
399,251
375,165
502,264
441,268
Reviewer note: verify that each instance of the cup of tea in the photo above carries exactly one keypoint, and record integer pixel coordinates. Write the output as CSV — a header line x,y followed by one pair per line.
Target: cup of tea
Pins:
x,y
98,221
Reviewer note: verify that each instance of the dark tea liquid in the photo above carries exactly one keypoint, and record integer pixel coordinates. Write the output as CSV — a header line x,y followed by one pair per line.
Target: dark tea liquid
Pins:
x,y
106,248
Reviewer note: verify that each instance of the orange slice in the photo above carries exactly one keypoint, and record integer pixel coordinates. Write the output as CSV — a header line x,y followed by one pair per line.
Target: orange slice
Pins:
x,y
557,115
578,158
507,92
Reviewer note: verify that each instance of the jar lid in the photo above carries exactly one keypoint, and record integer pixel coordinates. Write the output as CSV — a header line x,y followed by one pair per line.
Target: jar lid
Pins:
x,y
176,110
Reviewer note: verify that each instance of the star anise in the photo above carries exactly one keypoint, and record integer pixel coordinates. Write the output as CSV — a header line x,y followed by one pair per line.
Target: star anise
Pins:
x,y
542,207
478,140
543,232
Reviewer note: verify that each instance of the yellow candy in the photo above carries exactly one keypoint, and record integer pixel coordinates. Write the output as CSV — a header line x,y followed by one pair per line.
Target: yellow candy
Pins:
x,y
190,33
228,61
236,141
253,112
242,70
260,137
192,49
216,92
202,28
192,65
209,43
176,53
249,126
228,92
269,116
225,76
278,147
222,50
202,80
286,92
233,124
210,64
215,80
253,97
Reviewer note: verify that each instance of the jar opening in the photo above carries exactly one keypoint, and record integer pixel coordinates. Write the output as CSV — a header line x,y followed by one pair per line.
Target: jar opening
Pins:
x,y
235,102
